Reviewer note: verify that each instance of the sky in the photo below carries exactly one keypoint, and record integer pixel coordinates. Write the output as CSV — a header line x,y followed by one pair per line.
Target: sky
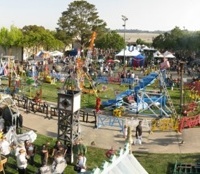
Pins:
x,y
148,15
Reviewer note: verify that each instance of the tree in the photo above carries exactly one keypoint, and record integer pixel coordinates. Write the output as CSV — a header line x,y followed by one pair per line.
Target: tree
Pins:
x,y
142,42
37,37
110,40
10,38
170,40
79,21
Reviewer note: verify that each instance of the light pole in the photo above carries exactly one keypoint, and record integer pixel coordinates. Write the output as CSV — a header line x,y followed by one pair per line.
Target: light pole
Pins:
x,y
124,18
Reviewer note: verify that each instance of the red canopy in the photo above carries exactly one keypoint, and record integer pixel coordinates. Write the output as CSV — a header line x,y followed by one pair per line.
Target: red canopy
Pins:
x,y
110,61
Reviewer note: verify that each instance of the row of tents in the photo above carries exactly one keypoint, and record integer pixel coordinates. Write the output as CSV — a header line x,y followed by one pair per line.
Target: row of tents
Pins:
x,y
47,54
138,58
131,51
166,54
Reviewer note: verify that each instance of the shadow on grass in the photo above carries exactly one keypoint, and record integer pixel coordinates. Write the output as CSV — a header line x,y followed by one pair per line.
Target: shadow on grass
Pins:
x,y
172,136
170,168
196,157
164,141
52,134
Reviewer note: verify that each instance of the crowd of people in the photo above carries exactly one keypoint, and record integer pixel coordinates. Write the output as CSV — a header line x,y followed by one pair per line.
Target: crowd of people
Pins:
x,y
53,160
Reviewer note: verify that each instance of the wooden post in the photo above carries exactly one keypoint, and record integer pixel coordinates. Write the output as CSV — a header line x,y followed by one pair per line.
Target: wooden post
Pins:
x,y
129,139
181,85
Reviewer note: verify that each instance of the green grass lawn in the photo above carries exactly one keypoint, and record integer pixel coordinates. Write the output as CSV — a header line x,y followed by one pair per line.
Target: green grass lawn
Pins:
x,y
153,163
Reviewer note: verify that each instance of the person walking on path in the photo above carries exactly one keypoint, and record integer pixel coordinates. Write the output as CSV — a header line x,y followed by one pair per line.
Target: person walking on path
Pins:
x,y
138,134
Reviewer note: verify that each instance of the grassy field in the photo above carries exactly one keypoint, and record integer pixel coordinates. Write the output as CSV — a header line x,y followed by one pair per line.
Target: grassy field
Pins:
x,y
153,163
133,37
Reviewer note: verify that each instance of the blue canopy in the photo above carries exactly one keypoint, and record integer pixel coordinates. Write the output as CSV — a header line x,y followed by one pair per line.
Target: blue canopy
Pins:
x,y
140,56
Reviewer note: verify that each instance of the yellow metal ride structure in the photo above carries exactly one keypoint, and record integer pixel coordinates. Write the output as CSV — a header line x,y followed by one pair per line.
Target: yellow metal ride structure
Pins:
x,y
93,37
76,81
82,76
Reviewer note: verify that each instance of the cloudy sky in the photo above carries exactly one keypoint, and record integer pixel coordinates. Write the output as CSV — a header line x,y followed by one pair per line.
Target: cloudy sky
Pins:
x,y
142,14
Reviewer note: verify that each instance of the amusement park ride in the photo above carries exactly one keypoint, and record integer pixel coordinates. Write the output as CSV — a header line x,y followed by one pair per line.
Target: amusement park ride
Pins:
x,y
154,104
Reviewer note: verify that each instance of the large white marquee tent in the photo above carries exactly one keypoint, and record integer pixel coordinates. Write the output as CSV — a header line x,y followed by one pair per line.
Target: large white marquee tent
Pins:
x,y
129,52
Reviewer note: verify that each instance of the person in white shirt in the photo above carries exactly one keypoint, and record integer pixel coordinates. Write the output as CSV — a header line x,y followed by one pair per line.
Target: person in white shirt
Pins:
x,y
136,79
82,162
5,148
22,162
59,164
19,147
132,75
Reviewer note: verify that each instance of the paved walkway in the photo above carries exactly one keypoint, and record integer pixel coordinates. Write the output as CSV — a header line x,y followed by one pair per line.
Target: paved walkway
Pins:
x,y
105,137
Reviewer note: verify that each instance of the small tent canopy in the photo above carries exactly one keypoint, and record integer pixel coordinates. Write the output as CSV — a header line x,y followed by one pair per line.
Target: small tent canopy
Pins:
x,y
168,54
140,56
129,52
138,61
110,61
135,53
43,54
157,54
122,53
73,52
145,48
56,53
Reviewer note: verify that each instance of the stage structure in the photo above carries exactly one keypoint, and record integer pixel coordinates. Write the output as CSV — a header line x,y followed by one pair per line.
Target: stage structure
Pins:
x,y
69,103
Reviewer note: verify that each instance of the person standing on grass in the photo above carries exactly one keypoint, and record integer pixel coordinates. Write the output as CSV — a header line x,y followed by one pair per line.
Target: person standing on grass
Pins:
x,y
138,134
22,162
81,163
56,147
79,148
30,151
110,152
59,164
45,154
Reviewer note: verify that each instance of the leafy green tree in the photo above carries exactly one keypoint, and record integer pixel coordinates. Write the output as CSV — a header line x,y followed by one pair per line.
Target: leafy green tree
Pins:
x,y
158,42
37,37
170,40
10,38
142,42
110,40
63,36
78,22
183,42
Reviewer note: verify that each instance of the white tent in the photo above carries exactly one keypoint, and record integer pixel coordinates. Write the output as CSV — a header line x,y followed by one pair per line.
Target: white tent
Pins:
x,y
128,52
168,54
157,54
123,163
42,54
56,53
